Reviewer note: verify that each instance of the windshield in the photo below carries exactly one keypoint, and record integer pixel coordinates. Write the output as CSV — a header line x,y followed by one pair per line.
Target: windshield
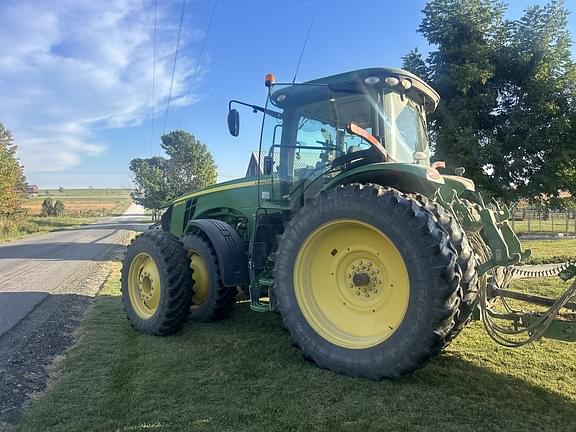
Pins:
x,y
311,136
404,127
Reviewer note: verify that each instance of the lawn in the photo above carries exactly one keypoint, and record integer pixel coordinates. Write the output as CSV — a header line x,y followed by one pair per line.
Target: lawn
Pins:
x,y
242,374
82,206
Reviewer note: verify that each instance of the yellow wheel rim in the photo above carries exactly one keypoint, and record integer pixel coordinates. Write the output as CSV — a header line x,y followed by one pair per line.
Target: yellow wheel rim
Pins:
x,y
144,286
351,284
201,279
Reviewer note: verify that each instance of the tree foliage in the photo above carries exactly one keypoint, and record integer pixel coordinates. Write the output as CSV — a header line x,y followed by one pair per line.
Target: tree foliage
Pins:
x,y
189,167
52,208
12,180
508,93
150,178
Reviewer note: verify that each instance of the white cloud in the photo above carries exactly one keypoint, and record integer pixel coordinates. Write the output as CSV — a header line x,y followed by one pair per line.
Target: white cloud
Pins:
x,y
69,66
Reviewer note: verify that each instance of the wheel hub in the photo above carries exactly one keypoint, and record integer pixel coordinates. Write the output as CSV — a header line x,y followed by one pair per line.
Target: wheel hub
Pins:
x,y
146,285
366,278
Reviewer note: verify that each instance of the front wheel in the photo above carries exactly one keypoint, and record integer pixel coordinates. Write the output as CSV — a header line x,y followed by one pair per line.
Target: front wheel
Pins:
x,y
156,283
366,282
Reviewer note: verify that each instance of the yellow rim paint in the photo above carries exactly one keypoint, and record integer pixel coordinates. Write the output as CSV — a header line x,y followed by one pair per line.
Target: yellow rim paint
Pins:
x,y
351,284
218,189
201,278
144,285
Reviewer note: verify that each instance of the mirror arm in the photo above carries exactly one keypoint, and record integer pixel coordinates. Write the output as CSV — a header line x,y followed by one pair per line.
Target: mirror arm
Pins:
x,y
271,113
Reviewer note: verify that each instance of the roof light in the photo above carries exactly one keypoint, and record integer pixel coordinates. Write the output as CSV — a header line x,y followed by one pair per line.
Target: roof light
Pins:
x,y
420,156
269,80
406,83
392,81
371,80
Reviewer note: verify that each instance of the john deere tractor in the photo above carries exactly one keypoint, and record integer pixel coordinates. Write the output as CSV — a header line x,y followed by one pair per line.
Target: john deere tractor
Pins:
x,y
374,259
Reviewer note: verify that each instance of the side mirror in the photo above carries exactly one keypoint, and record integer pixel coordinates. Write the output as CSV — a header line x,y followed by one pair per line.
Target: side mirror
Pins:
x,y
234,122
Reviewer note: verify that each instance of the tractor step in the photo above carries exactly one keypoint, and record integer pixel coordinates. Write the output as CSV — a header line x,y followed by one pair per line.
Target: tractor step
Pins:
x,y
259,290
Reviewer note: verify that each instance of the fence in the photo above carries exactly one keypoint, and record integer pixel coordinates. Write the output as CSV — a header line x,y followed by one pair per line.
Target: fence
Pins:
x,y
543,221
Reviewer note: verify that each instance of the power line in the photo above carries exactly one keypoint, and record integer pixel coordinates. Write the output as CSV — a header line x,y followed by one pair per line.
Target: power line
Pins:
x,y
174,65
197,65
153,77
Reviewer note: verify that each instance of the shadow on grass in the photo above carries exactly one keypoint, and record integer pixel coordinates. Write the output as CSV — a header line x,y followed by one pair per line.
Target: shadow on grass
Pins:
x,y
243,374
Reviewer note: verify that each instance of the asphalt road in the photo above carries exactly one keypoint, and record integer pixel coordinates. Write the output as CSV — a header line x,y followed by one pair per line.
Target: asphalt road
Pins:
x,y
46,283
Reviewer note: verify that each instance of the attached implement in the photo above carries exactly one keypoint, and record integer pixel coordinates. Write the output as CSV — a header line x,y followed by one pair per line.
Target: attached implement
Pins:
x,y
374,259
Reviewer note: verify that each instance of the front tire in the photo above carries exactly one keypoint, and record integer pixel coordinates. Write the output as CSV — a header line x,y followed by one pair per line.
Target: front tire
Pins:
x,y
156,283
366,282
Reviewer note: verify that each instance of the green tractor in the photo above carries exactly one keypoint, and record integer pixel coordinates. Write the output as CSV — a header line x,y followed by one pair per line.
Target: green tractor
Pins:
x,y
374,259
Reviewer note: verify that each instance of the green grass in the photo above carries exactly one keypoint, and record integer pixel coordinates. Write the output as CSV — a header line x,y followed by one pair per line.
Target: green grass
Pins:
x,y
27,225
552,251
242,374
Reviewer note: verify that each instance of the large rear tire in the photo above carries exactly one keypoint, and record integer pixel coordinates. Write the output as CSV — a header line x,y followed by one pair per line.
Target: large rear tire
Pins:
x,y
212,300
466,262
156,283
366,282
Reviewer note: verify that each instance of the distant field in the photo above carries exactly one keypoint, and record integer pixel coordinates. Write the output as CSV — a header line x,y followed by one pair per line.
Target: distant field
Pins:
x,y
83,202
81,206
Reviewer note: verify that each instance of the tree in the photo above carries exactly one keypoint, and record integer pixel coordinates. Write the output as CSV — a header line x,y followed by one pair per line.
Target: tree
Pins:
x,y
150,179
190,167
535,136
58,209
12,180
52,208
507,91
47,206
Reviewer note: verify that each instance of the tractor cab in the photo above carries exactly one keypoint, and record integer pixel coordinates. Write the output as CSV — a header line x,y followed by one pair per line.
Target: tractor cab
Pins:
x,y
314,131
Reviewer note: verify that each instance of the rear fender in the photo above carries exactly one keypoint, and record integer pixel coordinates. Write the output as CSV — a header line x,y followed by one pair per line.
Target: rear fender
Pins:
x,y
405,177
229,247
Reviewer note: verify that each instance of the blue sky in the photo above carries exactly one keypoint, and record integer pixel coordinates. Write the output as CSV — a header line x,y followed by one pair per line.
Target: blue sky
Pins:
x,y
76,75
